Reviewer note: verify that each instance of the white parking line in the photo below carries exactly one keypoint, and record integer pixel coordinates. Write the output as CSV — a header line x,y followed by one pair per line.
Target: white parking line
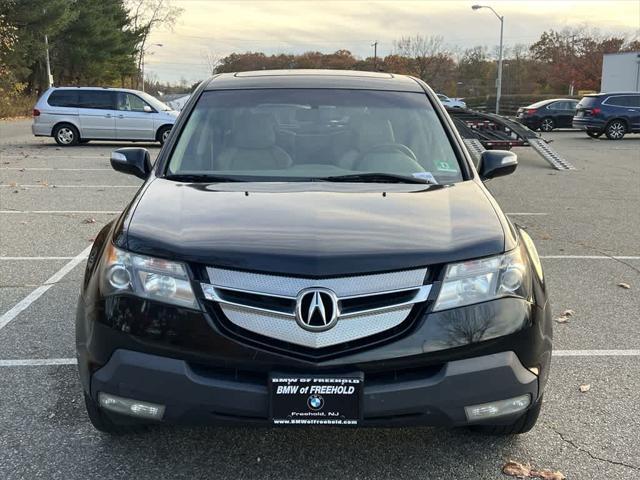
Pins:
x,y
109,212
36,258
36,362
523,214
38,292
33,169
591,257
37,185
597,353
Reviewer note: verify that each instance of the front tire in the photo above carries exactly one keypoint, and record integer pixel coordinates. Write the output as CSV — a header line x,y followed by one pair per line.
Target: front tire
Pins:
x,y
102,421
616,130
547,124
594,134
163,134
66,135
523,424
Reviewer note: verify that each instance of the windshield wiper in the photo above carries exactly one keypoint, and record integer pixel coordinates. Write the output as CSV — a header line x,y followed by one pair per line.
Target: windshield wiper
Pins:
x,y
374,177
200,177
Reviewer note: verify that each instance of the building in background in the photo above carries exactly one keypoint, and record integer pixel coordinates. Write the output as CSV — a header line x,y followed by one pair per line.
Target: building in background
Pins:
x,y
621,72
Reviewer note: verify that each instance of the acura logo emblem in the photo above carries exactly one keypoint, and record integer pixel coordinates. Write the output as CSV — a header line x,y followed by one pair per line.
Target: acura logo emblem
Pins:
x,y
317,309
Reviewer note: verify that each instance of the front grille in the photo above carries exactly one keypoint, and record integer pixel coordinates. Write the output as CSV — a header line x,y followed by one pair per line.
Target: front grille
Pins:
x,y
264,305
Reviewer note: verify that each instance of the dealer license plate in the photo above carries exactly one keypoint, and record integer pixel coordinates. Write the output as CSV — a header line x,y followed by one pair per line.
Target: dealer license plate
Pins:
x,y
315,400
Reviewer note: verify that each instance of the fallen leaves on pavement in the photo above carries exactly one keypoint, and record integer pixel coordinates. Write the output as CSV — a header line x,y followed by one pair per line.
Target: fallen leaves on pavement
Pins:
x,y
518,470
89,220
585,387
564,316
624,285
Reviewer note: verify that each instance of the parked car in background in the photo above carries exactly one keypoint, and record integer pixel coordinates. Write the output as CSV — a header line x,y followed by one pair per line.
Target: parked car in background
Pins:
x,y
451,102
340,264
73,115
614,114
546,115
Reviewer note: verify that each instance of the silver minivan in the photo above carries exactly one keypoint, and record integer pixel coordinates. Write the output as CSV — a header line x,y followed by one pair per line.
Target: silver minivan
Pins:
x,y
73,115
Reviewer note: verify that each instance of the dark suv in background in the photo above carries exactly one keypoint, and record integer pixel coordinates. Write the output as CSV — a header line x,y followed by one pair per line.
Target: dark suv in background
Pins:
x,y
546,115
614,114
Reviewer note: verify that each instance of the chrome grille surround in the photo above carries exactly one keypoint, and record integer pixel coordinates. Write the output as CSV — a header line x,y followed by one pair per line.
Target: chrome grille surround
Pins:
x,y
393,295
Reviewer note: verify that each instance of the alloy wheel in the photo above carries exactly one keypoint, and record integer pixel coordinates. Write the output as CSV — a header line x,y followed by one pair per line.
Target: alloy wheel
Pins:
x,y
616,130
546,125
65,135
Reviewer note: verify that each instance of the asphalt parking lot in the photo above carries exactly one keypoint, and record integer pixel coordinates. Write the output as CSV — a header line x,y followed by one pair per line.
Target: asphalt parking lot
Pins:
x,y
586,224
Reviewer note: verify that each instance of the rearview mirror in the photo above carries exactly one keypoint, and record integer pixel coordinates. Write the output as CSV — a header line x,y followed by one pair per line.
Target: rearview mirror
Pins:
x,y
147,109
497,163
132,161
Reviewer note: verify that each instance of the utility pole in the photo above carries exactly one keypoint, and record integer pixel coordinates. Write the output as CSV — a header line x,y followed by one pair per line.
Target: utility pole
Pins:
x,y
375,55
49,76
48,61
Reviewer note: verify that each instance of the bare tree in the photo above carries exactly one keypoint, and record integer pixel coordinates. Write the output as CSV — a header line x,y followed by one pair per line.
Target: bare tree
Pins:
x,y
428,54
147,15
212,61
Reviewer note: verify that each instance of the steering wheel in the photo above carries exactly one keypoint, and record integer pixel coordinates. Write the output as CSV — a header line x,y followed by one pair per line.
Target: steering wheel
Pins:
x,y
412,160
390,148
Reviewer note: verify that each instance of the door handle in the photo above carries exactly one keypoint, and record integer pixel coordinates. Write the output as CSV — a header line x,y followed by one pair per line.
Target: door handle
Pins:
x,y
108,115
120,116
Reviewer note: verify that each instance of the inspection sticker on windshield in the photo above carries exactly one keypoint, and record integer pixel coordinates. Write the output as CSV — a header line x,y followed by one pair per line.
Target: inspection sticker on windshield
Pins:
x,y
312,400
428,176
445,167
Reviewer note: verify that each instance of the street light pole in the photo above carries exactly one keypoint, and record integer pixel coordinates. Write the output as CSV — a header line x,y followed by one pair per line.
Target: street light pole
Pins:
x,y
499,81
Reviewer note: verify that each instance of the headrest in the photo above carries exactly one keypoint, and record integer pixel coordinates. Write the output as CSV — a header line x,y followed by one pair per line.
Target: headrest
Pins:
x,y
372,131
254,130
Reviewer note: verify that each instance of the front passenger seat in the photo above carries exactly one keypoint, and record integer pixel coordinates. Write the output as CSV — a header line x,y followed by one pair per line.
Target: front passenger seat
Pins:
x,y
253,146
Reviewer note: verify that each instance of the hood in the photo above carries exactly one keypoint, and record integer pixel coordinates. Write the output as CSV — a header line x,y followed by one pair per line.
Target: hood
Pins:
x,y
314,229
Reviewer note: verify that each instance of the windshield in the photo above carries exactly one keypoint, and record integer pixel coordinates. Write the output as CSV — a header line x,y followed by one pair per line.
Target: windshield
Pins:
x,y
154,102
314,134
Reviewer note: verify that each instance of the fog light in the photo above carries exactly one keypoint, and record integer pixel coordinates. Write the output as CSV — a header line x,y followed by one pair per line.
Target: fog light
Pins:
x,y
497,408
127,406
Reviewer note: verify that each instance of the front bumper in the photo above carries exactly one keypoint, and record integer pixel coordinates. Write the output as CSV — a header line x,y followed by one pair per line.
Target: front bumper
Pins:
x,y
436,396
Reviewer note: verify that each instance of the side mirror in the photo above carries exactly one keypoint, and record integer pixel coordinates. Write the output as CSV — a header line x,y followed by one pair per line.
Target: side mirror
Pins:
x,y
132,161
497,163
147,109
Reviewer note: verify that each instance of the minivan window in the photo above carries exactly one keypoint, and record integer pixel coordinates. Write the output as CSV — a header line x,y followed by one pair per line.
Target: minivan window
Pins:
x,y
296,134
96,99
63,98
131,102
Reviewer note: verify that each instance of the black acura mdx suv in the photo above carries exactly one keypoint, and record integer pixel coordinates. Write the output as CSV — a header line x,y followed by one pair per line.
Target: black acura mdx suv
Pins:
x,y
313,248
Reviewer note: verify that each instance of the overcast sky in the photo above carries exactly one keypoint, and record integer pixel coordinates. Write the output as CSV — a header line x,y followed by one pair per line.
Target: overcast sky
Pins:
x,y
295,26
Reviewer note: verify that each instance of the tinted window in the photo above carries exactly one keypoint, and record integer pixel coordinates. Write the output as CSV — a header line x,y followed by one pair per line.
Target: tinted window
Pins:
x,y
620,101
96,99
130,102
63,98
314,133
588,102
558,106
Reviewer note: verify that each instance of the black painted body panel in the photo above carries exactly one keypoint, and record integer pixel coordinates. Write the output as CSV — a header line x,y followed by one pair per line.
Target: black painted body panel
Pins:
x,y
314,229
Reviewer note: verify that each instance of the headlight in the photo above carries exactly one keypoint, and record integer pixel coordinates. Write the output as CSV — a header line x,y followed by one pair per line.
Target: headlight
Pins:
x,y
485,279
146,277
